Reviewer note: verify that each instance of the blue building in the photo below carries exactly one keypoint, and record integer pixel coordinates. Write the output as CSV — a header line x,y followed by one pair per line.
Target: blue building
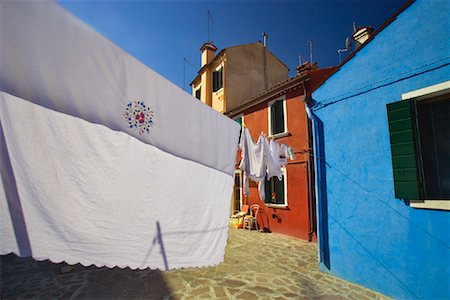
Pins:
x,y
382,147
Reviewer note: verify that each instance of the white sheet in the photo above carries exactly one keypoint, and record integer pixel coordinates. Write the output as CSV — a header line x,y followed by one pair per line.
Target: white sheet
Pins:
x,y
80,192
51,58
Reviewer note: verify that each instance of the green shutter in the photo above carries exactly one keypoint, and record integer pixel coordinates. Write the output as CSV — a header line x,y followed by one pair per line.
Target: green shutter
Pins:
x,y
277,117
215,77
268,191
401,119
220,79
279,189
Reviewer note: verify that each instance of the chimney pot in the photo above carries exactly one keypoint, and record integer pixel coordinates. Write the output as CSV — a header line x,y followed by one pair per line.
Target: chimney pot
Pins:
x,y
306,66
362,35
208,49
265,37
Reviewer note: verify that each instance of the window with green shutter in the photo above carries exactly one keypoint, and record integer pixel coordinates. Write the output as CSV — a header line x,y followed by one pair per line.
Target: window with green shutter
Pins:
x,y
198,93
277,117
420,147
217,79
275,190
401,118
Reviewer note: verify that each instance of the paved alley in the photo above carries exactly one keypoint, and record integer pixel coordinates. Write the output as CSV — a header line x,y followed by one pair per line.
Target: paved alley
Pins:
x,y
256,266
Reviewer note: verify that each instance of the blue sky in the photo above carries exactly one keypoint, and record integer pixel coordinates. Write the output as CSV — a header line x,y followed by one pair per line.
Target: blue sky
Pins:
x,y
162,33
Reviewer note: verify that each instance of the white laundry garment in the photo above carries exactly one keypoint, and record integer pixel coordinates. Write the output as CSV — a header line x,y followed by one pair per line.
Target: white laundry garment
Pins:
x,y
82,193
273,160
283,152
253,161
290,153
262,190
244,165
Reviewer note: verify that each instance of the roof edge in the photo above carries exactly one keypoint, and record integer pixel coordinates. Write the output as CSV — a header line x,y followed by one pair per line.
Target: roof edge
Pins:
x,y
236,46
267,94
382,27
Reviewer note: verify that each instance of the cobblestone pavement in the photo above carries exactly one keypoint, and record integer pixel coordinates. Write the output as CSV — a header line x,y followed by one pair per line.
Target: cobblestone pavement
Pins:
x,y
257,266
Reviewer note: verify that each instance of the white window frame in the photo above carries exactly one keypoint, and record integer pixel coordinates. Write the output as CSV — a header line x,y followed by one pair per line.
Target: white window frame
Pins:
x,y
195,92
269,106
422,94
239,171
284,174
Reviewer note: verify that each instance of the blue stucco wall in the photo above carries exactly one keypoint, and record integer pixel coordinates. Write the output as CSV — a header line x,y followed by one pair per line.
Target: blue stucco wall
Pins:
x,y
374,239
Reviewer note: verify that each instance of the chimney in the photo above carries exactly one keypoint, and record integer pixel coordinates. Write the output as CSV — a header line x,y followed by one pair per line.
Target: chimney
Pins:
x,y
306,66
208,49
361,35
265,37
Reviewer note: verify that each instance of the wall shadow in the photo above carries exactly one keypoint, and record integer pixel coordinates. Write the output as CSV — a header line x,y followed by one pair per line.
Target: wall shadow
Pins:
x,y
322,200
263,223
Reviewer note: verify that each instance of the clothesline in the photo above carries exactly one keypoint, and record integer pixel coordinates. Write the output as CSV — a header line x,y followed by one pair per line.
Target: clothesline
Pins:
x,y
261,161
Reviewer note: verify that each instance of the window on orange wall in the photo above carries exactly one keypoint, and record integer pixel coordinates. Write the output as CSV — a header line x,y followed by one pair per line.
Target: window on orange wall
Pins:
x,y
277,117
275,190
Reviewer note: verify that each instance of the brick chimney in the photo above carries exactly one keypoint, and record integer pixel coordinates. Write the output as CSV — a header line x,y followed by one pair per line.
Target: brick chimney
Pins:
x,y
306,66
208,49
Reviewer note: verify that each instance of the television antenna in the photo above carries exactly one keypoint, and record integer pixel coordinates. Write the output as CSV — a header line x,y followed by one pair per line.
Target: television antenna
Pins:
x,y
208,23
348,45
184,71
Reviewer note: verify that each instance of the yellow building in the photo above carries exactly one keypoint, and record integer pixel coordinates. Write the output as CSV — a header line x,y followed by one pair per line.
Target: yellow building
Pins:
x,y
226,80
231,78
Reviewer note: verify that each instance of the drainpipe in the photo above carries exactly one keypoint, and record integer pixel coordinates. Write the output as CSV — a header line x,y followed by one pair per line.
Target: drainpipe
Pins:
x,y
320,244
311,197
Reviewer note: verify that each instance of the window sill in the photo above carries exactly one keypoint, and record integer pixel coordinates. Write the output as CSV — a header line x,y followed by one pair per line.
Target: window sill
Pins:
x,y
280,135
430,204
218,91
280,206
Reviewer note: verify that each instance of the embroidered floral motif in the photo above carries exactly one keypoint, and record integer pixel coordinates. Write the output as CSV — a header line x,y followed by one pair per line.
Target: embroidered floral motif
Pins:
x,y
139,116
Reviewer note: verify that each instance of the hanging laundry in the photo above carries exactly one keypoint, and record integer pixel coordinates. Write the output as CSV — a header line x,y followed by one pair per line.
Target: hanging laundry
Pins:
x,y
261,161
273,161
285,152
95,165
253,162
290,152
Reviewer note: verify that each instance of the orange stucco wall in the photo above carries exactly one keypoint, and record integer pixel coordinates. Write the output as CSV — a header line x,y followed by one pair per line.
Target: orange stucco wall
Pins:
x,y
292,220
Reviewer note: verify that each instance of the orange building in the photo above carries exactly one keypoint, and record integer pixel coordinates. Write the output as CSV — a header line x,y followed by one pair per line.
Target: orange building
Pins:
x,y
279,112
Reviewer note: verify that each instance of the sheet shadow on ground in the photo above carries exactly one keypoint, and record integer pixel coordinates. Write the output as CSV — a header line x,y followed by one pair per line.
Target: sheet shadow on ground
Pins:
x,y
27,278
